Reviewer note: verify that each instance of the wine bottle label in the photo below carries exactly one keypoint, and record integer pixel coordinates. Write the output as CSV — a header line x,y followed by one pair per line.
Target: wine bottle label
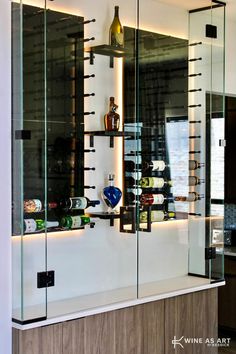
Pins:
x,y
158,182
76,222
158,165
157,215
30,225
158,198
78,203
32,205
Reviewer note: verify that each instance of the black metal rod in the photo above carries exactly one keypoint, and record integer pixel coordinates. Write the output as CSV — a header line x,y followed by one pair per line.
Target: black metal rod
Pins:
x,y
89,187
194,137
195,43
195,152
194,75
89,94
194,59
88,113
89,76
194,105
195,121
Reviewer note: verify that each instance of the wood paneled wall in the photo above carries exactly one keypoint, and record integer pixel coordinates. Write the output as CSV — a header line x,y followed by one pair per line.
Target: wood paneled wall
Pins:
x,y
142,329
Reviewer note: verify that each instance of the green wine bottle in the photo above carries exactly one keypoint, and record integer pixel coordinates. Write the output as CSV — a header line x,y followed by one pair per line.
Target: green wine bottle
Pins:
x,y
116,31
74,222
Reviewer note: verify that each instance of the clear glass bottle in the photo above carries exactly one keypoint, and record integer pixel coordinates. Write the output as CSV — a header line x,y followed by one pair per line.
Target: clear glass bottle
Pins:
x,y
194,164
192,197
111,194
112,119
116,34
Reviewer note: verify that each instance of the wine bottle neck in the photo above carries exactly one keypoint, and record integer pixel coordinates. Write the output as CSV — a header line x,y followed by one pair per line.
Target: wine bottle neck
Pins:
x,y
116,11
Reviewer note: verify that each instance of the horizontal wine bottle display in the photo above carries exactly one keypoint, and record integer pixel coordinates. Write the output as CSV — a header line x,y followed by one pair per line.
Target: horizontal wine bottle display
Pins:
x,y
35,205
156,215
155,165
77,203
74,222
31,225
154,199
192,197
154,182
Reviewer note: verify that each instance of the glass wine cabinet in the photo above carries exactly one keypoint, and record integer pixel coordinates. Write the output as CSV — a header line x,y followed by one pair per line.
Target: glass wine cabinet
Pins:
x,y
114,149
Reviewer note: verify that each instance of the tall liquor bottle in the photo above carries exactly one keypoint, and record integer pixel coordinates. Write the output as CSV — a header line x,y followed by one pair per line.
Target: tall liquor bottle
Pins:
x,y
112,119
154,182
32,225
156,215
194,164
74,222
35,205
192,197
154,199
194,180
116,35
77,203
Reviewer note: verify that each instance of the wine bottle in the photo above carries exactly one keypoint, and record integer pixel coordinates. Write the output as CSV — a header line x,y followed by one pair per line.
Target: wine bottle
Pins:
x,y
192,197
156,215
112,119
131,166
133,179
133,194
154,182
194,164
32,225
116,35
74,222
76,203
35,205
194,180
154,165
154,199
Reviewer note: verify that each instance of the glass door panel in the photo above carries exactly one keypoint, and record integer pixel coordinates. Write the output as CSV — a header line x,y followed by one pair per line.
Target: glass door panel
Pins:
x,y
28,145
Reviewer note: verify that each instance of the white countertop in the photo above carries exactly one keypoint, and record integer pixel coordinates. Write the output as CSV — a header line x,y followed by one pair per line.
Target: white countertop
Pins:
x,y
68,309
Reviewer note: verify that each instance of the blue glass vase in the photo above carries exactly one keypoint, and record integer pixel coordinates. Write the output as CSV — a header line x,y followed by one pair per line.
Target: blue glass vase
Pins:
x,y
111,194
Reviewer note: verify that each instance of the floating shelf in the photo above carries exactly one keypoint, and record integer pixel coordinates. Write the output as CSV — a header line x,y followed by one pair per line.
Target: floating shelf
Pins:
x,y
105,216
111,134
107,50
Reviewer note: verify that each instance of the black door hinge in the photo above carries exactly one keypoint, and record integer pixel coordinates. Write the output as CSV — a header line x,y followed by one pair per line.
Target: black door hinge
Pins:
x,y
210,253
45,279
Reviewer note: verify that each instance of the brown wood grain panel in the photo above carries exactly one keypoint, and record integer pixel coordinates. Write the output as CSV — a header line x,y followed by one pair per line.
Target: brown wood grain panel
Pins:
x,y
227,305
30,341
178,324
99,333
125,331
15,341
153,327
51,339
73,337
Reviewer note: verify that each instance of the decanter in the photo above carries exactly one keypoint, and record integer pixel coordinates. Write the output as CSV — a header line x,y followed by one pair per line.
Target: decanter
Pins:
x,y
111,194
112,118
